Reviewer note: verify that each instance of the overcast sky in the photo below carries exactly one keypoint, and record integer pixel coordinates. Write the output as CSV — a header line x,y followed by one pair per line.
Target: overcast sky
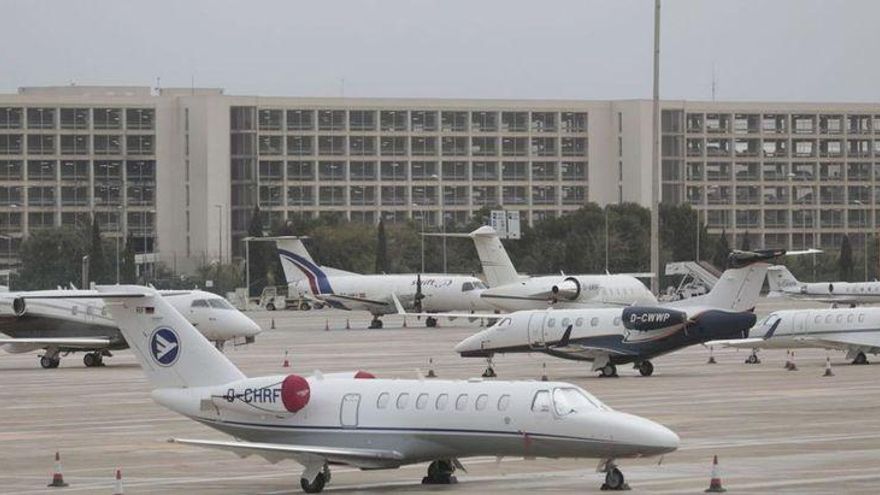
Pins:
x,y
811,50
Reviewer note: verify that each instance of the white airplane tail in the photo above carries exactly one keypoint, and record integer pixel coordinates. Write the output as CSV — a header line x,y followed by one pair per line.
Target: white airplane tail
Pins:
x,y
736,290
170,350
780,278
298,265
496,263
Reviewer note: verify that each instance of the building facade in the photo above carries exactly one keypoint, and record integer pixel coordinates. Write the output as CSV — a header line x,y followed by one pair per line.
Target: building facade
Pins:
x,y
180,170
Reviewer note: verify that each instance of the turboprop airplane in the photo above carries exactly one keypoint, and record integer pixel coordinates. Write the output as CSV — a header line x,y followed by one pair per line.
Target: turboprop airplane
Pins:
x,y
60,325
854,330
510,291
427,293
636,334
783,284
365,422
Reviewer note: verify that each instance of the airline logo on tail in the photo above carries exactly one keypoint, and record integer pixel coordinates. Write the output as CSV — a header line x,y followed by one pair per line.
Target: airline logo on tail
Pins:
x,y
317,278
164,346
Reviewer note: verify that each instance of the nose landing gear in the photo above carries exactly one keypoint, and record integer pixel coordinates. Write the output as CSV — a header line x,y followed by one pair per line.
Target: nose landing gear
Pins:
x,y
440,473
614,480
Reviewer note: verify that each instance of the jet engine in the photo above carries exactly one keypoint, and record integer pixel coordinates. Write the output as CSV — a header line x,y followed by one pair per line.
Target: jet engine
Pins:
x,y
569,289
646,319
272,395
17,307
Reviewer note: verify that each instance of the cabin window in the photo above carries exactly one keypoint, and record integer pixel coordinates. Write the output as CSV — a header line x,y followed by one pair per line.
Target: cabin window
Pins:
x,y
861,317
73,310
827,318
850,318
482,400
579,322
467,286
382,401
402,400
199,303
421,401
818,319
566,322
616,321
839,318
503,402
551,322
594,322
461,402
541,401
442,400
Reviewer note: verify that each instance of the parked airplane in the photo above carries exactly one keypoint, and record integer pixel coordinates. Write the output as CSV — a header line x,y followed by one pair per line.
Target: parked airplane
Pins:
x,y
369,423
424,293
61,325
510,291
783,284
636,334
854,330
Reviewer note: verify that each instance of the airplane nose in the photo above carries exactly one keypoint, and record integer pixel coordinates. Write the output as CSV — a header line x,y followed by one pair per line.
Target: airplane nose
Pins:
x,y
472,346
648,437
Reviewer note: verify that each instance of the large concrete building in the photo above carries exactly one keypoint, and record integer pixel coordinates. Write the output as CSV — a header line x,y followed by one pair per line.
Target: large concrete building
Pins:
x,y
180,170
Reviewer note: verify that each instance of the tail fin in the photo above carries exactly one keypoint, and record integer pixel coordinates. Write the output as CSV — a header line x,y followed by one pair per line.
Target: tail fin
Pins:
x,y
780,278
496,263
298,265
737,289
170,350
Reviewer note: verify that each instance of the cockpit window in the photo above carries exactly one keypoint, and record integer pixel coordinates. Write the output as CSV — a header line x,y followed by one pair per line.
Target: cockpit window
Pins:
x,y
503,324
199,303
220,304
541,401
479,285
571,400
467,286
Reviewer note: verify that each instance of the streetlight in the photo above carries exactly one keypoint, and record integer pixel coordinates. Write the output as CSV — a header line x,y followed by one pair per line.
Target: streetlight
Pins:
x,y
219,233
864,235
606,239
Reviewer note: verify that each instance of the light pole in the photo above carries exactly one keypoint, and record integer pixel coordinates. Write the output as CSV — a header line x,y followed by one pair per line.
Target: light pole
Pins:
x,y
422,235
699,229
655,159
864,235
118,233
219,233
606,239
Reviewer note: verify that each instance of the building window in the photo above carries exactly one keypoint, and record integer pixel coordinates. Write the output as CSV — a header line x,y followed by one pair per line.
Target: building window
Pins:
x,y
107,118
269,119
140,118
300,120
362,171
484,121
41,118
362,120
242,119
10,144
392,146
299,170
300,145
544,171
393,170
300,196
75,118
331,145
41,144
514,171
331,120
362,145
393,120
455,170
423,121
331,171
453,121
514,121
139,145
10,118
271,145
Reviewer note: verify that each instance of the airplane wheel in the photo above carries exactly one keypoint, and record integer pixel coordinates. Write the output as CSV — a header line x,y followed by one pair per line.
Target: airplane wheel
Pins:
x,y
89,360
430,322
752,359
439,473
489,373
608,370
48,363
860,358
646,368
270,307
304,307
316,486
614,480
376,323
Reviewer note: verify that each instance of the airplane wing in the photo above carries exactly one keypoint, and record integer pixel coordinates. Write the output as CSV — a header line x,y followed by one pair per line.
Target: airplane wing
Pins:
x,y
303,454
84,343
355,299
587,352
401,311
736,343
843,341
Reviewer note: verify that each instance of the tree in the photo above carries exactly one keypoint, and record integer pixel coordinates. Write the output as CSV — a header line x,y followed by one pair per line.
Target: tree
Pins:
x,y
381,249
127,267
52,257
98,265
261,256
722,249
746,244
845,261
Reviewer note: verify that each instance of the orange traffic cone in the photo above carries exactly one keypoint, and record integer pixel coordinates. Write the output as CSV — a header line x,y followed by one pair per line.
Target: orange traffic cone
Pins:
x,y
828,371
711,357
347,324
715,481
57,477
327,325
117,487
273,324
792,367
431,373
404,322
286,363
544,372
787,360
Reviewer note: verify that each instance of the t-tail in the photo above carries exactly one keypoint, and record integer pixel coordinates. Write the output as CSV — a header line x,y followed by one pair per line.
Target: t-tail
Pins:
x,y
780,279
497,267
739,286
171,351
299,266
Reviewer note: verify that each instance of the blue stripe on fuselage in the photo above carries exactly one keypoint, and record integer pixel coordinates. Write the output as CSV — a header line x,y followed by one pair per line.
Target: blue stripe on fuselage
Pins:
x,y
304,264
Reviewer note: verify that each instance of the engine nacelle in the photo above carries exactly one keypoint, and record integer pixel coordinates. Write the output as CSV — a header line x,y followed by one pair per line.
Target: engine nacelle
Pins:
x,y
569,289
266,395
19,306
647,319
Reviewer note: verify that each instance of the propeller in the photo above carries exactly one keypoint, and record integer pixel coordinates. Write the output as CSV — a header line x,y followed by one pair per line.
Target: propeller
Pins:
x,y
417,300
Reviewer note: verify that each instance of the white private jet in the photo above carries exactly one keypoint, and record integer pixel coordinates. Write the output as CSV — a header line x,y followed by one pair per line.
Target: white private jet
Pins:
x,y
635,334
427,293
510,291
357,420
854,330
58,325
784,284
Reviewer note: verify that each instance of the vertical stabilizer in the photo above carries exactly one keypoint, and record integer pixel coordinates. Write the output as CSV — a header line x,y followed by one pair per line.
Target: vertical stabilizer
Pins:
x,y
298,265
737,289
170,350
780,278
496,263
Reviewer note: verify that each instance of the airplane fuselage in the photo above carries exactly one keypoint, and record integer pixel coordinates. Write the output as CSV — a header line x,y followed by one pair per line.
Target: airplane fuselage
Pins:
x,y
424,420
841,328
576,291
839,292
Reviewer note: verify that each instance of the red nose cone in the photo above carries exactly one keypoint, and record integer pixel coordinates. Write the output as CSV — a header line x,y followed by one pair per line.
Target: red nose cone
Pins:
x,y
295,393
364,374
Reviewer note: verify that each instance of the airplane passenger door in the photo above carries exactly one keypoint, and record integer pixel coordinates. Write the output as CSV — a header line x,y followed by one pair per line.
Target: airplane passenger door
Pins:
x,y
799,325
348,411
536,329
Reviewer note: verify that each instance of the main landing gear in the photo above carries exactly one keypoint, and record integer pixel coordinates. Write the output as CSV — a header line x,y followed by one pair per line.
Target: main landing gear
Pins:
x,y
316,485
490,369
645,368
614,480
430,322
49,361
376,323
753,358
860,358
93,359
608,371
440,473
